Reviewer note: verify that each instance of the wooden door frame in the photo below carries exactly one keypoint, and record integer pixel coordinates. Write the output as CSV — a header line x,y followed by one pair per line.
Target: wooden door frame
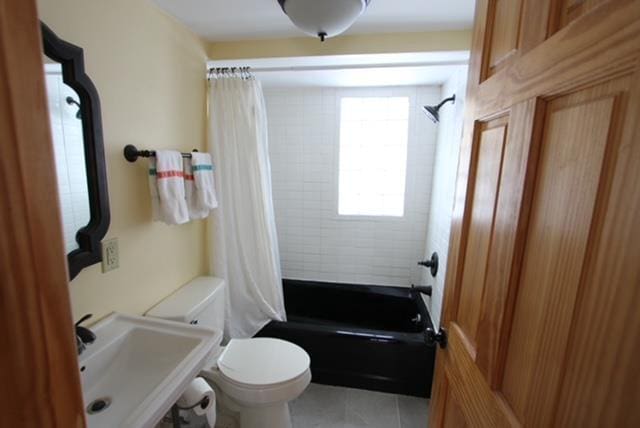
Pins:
x,y
38,364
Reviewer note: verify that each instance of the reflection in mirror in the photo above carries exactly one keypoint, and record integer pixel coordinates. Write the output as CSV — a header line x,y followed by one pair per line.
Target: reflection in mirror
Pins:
x,y
66,129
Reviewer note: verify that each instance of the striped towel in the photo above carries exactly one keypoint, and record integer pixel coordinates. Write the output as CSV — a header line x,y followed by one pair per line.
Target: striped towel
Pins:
x,y
195,212
205,194
171,189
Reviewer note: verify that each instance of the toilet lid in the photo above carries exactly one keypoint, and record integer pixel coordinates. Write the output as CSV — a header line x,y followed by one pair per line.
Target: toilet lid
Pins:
x,y
262,361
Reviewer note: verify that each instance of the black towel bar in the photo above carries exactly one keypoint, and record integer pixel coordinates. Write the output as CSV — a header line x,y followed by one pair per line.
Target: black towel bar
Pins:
x,y
131,153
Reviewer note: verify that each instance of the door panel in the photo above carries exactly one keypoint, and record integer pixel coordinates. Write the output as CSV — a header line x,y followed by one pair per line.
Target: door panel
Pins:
x,y
453,415
600,377
507,243
492,136
513,28
505,29
543,280
468,387
573,148
598,46
569,10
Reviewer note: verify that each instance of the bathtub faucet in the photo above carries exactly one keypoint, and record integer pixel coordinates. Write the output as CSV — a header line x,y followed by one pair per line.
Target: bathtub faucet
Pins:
x,y
424,289
431,264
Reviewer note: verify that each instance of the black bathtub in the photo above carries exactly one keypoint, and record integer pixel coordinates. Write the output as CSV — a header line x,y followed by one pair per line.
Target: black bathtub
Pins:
x,y
359,336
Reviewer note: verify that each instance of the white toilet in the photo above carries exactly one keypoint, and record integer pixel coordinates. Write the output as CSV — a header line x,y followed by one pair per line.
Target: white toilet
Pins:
x,y
255,378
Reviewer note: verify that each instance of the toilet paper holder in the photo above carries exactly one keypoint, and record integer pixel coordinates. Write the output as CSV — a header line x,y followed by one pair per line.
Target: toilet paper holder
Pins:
x,y
202,403
175,411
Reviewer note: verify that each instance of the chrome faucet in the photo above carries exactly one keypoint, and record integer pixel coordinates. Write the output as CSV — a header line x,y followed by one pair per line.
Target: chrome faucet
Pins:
x,y
84,336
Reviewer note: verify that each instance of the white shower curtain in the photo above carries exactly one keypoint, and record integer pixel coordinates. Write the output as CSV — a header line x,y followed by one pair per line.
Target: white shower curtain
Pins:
x,y
243,240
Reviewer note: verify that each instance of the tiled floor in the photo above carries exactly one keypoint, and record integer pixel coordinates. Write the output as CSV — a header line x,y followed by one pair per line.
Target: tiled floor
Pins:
x,y
322,406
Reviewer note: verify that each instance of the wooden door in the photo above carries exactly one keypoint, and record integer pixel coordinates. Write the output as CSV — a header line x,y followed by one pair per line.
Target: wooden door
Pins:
x,y
39,376
542,301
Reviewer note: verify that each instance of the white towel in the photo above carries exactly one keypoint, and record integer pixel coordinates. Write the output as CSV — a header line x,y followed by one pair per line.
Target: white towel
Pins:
x,y
204,181
170,182
195,212
156,214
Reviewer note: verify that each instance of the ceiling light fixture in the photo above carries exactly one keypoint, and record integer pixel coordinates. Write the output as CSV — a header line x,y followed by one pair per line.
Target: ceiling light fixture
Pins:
x,y
323,18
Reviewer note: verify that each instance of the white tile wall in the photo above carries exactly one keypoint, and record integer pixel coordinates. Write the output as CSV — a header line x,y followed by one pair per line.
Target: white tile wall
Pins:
x,y
444,179
315,243
69,155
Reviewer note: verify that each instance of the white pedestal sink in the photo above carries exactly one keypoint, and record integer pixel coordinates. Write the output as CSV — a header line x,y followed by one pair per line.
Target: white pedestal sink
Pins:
x,y
139,367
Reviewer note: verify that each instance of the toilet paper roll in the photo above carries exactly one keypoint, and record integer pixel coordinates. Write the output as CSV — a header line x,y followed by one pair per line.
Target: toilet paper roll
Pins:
x,y
199,391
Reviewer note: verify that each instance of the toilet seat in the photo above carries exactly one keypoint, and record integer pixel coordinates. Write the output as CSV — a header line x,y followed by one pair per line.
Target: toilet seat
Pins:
x,y
261,362
260,371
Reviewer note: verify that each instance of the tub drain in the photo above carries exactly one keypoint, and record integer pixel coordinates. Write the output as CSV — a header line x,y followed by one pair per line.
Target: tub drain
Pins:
x,y
98,405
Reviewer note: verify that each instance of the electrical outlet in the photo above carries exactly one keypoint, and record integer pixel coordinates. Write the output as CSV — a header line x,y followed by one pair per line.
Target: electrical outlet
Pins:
x,y
110,255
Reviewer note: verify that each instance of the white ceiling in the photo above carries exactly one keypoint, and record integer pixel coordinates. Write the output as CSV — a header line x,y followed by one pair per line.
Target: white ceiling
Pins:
x,y
401,69
255,19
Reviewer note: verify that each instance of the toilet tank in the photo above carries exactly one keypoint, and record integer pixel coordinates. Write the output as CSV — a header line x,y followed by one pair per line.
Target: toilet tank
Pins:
x,y
200,301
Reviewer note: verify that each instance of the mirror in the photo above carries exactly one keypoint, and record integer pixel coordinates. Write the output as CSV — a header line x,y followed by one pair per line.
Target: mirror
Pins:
x,y
66,131
76,128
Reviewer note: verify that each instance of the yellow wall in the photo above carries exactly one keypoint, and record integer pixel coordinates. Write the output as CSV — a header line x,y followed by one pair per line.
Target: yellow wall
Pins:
x,y
342,45
150,74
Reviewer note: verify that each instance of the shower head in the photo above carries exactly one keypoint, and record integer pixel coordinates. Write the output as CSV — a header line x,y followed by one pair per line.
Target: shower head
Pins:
x,y
433,111
71,101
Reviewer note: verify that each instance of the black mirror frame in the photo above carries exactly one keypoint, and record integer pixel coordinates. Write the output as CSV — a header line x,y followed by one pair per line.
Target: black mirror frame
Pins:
x,y
89,238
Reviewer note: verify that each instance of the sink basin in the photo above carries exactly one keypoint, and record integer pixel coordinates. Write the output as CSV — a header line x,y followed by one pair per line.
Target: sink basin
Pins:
x,y
138,367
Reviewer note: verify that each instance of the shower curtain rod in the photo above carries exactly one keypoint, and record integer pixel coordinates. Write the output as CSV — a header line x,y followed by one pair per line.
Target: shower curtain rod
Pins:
x,y
339,67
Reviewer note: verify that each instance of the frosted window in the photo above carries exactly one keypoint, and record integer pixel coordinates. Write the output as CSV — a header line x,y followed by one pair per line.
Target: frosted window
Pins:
x,y
373,155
